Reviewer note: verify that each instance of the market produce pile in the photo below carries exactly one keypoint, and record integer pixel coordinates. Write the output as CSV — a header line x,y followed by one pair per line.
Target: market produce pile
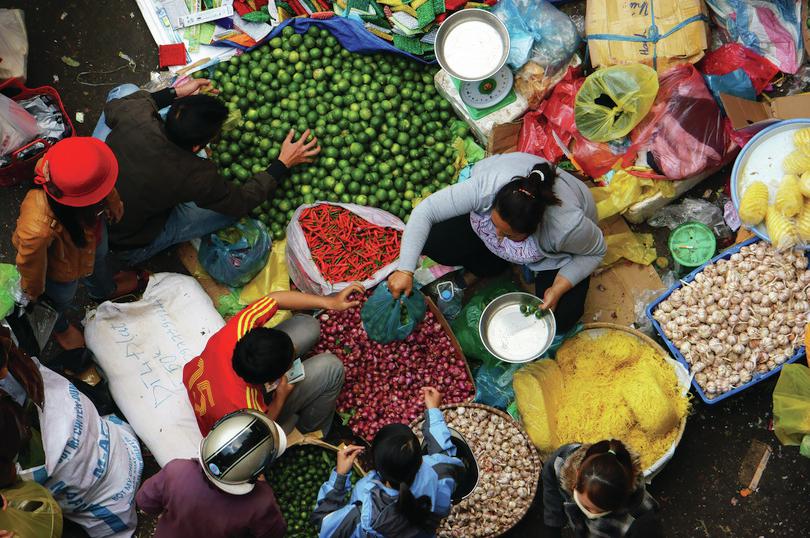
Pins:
x,y
508,472
383,381
787,219
344,246
296,478
608,386
741,317
383,129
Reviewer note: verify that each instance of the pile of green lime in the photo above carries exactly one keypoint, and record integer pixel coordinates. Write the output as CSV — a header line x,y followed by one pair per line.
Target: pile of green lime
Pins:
x,y
296,478
384,131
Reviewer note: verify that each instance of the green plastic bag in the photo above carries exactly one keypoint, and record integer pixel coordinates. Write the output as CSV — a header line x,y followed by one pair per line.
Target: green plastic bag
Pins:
x,y
386,319
791,407
613,100
9,288
31,511
465,325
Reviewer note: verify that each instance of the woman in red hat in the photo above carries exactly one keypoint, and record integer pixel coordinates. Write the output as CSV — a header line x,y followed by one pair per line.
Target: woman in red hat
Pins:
x,y
60,237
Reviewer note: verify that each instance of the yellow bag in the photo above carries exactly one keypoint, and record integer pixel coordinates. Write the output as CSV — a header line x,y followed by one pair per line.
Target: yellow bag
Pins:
x,y
626,189
23,518
538,391
791,404
613,100
635,247
273,277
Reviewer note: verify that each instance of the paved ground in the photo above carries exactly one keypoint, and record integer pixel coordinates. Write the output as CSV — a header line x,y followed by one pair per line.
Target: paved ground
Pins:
x,y
698,490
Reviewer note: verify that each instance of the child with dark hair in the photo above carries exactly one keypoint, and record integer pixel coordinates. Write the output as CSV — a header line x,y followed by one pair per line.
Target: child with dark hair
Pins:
x,y
514,208
244,357
599,490
406,495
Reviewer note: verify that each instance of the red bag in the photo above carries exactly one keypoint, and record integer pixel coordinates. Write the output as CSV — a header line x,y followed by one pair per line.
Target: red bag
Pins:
x,y
23,161
733,56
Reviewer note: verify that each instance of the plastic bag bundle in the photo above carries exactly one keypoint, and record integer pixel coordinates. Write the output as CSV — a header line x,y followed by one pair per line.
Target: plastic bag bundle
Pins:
x,y
614,100
235,255
386,319
791,405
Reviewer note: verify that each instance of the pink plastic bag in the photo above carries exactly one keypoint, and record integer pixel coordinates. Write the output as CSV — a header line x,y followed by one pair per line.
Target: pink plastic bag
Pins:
x,y
17,126
685,130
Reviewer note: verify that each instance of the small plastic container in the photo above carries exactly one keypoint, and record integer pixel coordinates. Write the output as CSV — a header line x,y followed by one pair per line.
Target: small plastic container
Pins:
x,y
691,244
449,300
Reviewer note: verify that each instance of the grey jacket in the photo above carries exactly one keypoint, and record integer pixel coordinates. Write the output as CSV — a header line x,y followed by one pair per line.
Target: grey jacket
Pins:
x,y
568,235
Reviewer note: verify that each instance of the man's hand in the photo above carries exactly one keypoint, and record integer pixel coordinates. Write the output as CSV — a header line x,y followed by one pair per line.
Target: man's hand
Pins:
x,y
433,398
194,86
299,151
400,282
284,388
346,457
341,301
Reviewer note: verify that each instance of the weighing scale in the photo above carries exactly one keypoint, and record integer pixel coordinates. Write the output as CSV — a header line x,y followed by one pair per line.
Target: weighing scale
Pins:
x,y
483,97
692,244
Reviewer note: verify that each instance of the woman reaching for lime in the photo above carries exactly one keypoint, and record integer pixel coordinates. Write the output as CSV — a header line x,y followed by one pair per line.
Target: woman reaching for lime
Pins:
x,y
515,208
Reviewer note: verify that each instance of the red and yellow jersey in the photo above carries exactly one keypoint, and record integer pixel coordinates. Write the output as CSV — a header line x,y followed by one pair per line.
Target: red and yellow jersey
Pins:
x,y
213,387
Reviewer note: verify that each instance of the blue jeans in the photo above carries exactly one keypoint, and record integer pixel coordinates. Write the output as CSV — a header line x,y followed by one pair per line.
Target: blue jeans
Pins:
x,y
186,221
100,285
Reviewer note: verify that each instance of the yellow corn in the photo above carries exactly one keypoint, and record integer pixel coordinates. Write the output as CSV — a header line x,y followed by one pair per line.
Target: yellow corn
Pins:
x,y
781,229
754,203
788,199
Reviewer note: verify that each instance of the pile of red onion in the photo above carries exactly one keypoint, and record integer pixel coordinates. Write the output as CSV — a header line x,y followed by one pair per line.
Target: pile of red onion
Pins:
x,y
383,381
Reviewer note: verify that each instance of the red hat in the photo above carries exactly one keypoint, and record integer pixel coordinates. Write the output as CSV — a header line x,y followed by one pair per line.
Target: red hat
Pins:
x,y
83,170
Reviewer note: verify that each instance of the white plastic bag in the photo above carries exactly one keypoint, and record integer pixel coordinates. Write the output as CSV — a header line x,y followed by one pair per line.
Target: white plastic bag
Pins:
x,y
13,44
142,348
93,464
17,126
303,271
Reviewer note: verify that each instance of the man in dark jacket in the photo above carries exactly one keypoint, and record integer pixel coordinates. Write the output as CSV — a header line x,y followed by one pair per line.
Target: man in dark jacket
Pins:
x,y
170,194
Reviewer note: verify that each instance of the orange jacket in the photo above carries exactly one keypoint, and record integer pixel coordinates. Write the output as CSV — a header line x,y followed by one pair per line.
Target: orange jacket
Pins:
x,y
44,247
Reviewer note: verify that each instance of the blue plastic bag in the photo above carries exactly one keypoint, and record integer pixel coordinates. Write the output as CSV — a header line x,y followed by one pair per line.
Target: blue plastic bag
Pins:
x,y
538,32
386,319
233,256
736,83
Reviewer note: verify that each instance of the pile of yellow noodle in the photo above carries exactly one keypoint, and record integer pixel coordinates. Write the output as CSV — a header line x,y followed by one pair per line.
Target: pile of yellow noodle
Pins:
x,y
616,386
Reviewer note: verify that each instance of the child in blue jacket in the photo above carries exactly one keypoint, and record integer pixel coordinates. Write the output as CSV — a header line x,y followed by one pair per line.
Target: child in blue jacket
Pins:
x,y
406,495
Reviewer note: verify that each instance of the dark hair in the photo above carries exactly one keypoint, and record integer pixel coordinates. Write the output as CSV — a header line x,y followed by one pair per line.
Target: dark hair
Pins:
x,y
523,201
74,219
263,355
606,475
195,120
397,458
12,435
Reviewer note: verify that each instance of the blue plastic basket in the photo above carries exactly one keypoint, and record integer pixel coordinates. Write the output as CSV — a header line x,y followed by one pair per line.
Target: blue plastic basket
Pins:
x,y
726,254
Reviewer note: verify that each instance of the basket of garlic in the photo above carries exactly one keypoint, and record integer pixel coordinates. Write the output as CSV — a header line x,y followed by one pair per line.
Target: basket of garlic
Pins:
x,y
770,184
509,470
736,320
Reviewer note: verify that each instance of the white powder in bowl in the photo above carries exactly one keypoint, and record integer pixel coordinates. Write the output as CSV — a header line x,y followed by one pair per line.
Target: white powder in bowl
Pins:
x,y
473,50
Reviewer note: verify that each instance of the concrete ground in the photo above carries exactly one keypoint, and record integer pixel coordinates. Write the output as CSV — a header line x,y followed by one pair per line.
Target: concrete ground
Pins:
x,y
698,490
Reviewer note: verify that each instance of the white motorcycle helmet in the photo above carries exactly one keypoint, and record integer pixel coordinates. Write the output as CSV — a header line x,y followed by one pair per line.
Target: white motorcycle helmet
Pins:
x,y
238,448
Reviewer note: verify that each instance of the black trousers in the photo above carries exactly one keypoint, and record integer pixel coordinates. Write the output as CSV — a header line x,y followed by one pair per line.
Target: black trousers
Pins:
x,y
453,242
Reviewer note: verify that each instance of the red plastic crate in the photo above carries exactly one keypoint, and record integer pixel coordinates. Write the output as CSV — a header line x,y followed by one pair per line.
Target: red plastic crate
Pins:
x,y
21,169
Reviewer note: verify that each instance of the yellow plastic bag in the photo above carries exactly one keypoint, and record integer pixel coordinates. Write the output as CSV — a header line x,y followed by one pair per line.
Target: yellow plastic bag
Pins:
x,y
538,392
273,277
635,247
791,404
613,100
44,521
625,189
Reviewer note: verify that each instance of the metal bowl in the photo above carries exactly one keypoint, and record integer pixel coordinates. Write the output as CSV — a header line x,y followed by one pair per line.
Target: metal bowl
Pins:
x,y
512,336
444,48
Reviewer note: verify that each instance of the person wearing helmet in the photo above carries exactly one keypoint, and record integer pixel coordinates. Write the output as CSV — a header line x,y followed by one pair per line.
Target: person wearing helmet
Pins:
x,y
243,359
406,495
223,493
60,236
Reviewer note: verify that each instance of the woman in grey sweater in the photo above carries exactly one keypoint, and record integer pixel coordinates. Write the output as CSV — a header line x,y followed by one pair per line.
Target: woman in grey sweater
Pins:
x,y
515,208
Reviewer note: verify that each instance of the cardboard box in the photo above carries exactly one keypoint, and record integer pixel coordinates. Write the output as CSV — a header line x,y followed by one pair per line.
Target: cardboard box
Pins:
x,y
504,138
633,18
757,114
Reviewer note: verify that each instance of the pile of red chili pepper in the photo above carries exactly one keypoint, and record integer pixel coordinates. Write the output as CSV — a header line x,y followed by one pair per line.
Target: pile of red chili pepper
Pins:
x,y
344,246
